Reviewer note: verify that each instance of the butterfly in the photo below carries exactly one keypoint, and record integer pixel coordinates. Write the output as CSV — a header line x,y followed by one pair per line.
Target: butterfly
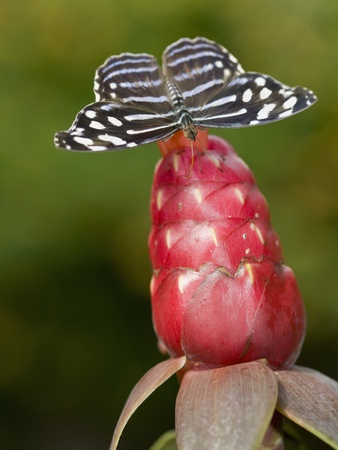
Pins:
x,y
200,85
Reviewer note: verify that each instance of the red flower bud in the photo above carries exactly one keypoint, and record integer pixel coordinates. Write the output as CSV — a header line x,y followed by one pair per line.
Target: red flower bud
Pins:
x,y
220,292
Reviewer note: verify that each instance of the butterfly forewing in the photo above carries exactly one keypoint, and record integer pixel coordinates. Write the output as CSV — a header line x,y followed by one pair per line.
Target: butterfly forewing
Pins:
x,y
132,79
252,99
200,69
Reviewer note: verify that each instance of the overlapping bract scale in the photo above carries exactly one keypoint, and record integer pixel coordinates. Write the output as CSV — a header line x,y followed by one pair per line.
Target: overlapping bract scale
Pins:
x,y
220,292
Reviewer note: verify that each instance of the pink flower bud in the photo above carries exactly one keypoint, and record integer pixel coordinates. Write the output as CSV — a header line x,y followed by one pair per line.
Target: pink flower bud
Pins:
x,y
220,292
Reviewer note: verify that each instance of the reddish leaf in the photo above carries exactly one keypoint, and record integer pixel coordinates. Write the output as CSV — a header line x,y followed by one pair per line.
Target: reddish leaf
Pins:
x,y
156,376
310,399
228,408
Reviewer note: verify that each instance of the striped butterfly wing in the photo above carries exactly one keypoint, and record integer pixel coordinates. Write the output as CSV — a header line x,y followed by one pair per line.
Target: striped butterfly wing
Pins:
x,y
218,93
131,108
131,79
200,69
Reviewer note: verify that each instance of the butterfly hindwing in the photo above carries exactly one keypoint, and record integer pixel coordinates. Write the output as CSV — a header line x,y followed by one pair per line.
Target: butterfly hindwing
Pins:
x,y
252,99
103,126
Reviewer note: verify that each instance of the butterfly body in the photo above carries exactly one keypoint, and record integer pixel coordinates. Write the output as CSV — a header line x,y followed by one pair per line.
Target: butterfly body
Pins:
x,y
200,84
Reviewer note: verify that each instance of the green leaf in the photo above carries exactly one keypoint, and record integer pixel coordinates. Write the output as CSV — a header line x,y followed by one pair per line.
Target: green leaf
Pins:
x,y
166,442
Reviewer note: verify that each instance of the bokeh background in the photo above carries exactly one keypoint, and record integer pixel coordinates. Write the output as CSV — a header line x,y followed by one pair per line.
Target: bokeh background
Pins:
x,y
75,318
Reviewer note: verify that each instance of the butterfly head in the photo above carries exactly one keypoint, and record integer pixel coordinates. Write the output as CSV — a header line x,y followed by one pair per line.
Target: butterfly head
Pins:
x,y
186,124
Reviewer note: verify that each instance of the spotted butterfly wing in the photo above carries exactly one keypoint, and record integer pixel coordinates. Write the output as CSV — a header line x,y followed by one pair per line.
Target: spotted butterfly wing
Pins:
x,y
202,84
253,99
103,126
220,94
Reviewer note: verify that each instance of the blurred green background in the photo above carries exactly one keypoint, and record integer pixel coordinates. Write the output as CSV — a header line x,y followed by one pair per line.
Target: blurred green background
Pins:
x,y
75,318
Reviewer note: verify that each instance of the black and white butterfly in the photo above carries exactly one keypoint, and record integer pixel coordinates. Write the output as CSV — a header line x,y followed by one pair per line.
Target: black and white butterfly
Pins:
x,y
200,85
